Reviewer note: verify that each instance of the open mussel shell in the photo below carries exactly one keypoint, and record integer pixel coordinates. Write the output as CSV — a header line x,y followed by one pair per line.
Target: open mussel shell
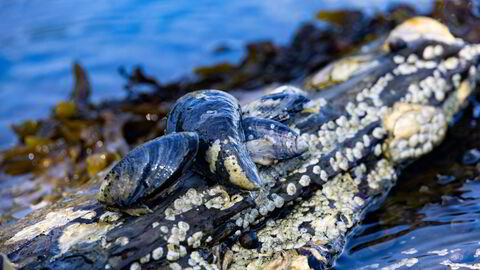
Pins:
x,y
148,169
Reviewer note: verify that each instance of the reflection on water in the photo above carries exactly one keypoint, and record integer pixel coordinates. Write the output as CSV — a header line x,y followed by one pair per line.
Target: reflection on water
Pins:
x,y
40,39
447,230
431,219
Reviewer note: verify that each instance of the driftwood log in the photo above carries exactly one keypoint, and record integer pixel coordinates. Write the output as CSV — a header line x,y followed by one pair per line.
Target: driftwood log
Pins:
x,y
381,111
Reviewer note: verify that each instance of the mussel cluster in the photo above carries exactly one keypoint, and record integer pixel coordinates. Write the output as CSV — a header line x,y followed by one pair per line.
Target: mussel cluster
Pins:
x,y
205,133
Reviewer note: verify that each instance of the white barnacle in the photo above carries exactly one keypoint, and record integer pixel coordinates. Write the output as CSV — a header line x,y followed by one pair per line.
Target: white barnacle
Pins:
x,y
378,150
366,140
456,79
195,239
398,59
333,164
291,189
182,250
169,214
164,229
174,237
135,266
157,253
195,258
413,141
249,218
145,259
378,133
155,224
359,146
341,121
263,210
412,58
349,154
194,197
359,201
305,180
270,205
323,175
438,49
430,64
254,214
338,155
428,52
451,63
402,144
302,170
183,226
209,239
357,153
316,169
439,95
122,240
343,164
175,266
179,204
350,108
239,221
277,200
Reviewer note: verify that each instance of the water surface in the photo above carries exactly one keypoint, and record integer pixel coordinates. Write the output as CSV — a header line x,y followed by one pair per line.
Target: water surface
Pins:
x,y
40,39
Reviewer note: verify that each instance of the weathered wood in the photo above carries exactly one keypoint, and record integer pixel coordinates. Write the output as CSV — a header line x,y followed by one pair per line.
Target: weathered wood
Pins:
x,y
360,133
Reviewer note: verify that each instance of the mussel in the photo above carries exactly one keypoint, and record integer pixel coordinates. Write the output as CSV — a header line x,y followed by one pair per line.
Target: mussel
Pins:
x,y
269,141
147,168
216,117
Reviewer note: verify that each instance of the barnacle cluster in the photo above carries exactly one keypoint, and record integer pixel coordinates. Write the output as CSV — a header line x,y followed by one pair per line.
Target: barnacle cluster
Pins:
x,y
394,118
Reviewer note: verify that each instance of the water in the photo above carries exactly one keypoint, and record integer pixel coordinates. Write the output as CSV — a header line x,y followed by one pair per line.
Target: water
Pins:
x,y
40,39
439,231
431,218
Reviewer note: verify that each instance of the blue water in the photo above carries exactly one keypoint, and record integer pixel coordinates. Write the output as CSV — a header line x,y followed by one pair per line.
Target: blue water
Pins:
x,y
40,39
451,225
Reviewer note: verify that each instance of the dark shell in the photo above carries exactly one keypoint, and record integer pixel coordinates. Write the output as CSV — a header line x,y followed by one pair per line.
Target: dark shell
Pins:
x,y
249,240
148,168
278,106
215,116
269,141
